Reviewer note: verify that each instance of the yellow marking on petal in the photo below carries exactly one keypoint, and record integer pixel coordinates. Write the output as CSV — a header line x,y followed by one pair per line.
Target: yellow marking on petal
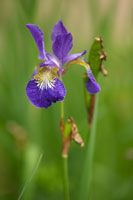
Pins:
x,y
46,72
38,67
78,61
54,71
46,77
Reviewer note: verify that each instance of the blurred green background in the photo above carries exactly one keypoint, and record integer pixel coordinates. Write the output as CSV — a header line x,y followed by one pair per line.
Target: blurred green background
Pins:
x,y
25,130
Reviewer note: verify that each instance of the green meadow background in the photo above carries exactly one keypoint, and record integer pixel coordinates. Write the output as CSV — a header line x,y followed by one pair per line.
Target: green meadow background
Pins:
x,y
26,131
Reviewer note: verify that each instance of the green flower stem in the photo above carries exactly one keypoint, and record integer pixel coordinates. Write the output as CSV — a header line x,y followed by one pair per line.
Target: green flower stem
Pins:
x,y
87,174
64,161
62,109
65,175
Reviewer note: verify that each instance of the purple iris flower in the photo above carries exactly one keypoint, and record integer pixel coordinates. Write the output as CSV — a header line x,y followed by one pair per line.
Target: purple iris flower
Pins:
x,y
45,87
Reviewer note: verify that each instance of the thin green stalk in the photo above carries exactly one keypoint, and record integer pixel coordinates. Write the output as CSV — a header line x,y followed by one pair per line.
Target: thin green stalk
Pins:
x,y
65,175
62,109
87,173
64,161
30,177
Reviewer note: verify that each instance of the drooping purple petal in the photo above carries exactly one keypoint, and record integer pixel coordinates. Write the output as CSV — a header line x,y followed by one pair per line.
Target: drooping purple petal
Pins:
x,y
43,98
73,57
57,93
62,46
36,95
39,39
91,85
58,29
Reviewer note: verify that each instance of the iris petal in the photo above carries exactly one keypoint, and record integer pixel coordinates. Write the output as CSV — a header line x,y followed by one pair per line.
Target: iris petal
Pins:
x,y
58,29
91,85
36,96
73,57
48,63
43,98
53,59
39,39
62,46
57,93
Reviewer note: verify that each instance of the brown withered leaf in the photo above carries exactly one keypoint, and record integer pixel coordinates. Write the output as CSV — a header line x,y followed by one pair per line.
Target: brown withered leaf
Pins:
x,y
73,135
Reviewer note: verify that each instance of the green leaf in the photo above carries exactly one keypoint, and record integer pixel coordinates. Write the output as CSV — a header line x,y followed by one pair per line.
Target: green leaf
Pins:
x,y
95,59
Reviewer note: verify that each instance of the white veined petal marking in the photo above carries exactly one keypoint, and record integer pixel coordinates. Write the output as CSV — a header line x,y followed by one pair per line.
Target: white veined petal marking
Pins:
x,y
46,78
46,84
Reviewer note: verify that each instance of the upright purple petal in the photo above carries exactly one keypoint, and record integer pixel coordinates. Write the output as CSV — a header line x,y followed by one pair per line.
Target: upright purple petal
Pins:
x,y
43,98
73,57
39,39
91,85
62,46
58,29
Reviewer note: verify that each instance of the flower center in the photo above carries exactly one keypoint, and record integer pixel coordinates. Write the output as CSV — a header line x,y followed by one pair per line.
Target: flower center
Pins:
x,y
46,78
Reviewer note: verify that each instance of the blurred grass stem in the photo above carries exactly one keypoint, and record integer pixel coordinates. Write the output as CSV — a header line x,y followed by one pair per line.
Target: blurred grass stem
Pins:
x,y
87,174
31,176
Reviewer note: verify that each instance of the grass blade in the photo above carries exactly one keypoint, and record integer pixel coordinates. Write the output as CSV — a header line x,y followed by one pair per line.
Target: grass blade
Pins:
x,y
30,177
88,166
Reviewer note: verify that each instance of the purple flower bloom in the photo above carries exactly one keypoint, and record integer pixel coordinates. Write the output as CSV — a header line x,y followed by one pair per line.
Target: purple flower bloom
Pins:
x,y
45,88
91,85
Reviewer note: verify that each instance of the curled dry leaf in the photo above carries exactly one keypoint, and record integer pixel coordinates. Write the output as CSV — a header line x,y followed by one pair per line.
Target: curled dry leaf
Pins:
x,y
73,135
103,56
